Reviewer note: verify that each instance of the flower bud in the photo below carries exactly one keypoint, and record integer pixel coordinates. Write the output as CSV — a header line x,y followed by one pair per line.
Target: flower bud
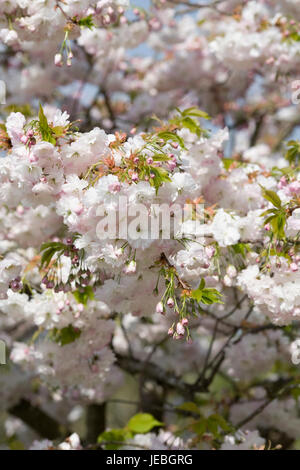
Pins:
x,y
160,308
231,271
58,60
130,268
180,329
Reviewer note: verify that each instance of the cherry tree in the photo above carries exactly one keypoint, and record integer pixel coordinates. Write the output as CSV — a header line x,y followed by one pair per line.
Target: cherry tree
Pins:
x,y
177,115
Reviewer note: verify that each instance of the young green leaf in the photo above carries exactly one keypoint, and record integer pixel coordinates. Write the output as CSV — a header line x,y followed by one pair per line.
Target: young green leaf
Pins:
x,y
114,438
45,129
272,197
83,296
86,22
142,423
64,336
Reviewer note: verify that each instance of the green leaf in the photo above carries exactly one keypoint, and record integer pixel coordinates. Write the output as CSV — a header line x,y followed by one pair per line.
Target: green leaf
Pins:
x,y
84,295
166,136
293,153
241,249
142,423
296,393
45,129
269,211
185,119
160,176
272,197
189,406
86,22
114,437
294,36
212,427
206,295
197,295
211,296
58,131
15,444
200,427
269,219
278,224
227,162
64,336
192,125
161,157
48,250
221,422
195,112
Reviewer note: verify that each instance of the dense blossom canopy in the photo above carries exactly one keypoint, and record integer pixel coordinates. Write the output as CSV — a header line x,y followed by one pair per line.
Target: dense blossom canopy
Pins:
x,y
189,341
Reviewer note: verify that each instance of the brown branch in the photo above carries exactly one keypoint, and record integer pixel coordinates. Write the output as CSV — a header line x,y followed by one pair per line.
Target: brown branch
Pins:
x,y
152,371
38,420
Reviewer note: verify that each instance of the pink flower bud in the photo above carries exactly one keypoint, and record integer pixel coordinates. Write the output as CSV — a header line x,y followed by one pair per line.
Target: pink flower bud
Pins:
x,y
184,321
180,329
172,165
160,308
58,60
231,271
149,160
170,302
134,176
